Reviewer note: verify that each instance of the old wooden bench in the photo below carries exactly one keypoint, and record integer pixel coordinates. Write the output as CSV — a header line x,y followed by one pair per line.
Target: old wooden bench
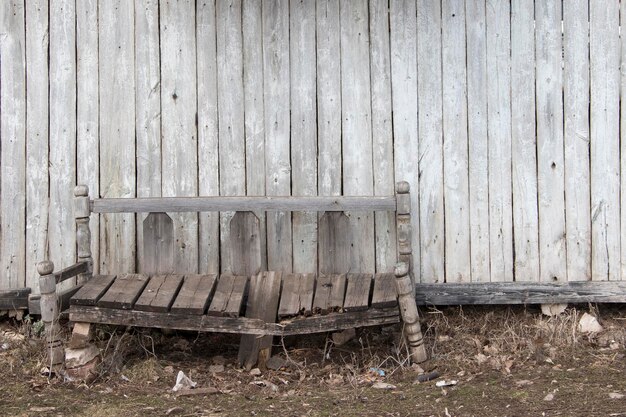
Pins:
x,y
257,304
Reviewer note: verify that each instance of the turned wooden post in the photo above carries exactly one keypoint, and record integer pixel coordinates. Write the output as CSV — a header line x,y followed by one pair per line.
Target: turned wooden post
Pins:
x,y
50,314
403,225
409,313
83,234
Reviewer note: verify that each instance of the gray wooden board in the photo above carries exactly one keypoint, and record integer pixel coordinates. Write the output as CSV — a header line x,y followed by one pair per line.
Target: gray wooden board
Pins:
x,y
329,293
385,293
334,237
71,271
158,244
262,304
14,299
297,295
228,296
195,293
358,292
90,293
160,292
239,325
124,291
245,244
184,204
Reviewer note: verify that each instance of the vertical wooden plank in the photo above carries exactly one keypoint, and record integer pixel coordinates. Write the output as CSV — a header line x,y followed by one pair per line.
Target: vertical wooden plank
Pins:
x,y
576,139
254,126
334,236
382,132
356,113
277,147
87,107
158,244
455,145
117,131
62,171
36,138
208,153
524,146
429,205
178,124
231,112
605,170
148,99
245,244
622,274
303,130
550,164
499,133
13,144
328,97
476,26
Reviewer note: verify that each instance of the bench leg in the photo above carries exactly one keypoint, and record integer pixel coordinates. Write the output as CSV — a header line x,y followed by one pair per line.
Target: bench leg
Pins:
x,y
410,316
49,305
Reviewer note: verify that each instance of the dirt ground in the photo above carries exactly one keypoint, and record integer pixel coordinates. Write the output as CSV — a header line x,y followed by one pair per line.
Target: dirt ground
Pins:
x,y
504,361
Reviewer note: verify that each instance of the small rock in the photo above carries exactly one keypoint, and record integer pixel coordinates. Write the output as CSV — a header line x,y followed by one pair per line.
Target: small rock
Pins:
x,y
444,383
265,383
78,357
615,395
87,372
255,372
174,410
444,338
216,369
383,385
549,397
481,358
552,310
589,324
275,363
428,377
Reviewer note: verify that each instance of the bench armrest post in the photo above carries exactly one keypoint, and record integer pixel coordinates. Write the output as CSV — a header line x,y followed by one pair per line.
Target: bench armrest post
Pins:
x,y
50,315
403,225
409,314
83,234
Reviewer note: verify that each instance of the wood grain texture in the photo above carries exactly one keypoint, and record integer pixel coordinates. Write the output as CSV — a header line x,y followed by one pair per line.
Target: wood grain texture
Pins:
x,y
158,244
382,131
475,27
87,111
604,139
92,290
328,97
428,193
124,291
384,294
179,159
36,137
230,91
16,299
208,135
159,294
277,128
455,142
330,290
116,57
296,295
357,292
523,142
550,164
576,139
254,111
356,114
303,122
195,293
228,297
498,41
245,244
334,245
148,113
62,157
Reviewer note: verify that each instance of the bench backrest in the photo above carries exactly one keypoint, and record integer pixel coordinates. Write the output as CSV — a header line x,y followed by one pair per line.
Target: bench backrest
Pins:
x,y
334,238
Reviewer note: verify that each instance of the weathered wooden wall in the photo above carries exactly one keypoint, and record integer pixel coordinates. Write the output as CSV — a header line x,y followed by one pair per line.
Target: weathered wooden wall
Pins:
x,y
504,116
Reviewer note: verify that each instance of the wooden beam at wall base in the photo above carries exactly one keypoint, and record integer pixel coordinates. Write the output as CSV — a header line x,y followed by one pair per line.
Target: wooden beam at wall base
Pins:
x,y
494,293
14,299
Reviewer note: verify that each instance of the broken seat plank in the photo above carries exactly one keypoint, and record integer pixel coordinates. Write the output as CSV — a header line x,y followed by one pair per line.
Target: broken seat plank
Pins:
x,y
124,291
385,293
92,290
329,293
228,296
357,292
262,304
194,295
159,294
297,295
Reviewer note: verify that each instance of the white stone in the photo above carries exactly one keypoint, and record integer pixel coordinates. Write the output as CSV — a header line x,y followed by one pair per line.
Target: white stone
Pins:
x,y
79,357
589,324
552,310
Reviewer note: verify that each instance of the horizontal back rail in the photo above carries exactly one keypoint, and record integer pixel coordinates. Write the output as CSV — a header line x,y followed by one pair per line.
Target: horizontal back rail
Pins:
x,y
201,204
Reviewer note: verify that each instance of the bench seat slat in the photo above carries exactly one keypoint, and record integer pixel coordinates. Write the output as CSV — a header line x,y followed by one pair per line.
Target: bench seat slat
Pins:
x,y
200,204
124,291
329,293
159,294
385,294
195,294
92,290
357,292
297,295
228,297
